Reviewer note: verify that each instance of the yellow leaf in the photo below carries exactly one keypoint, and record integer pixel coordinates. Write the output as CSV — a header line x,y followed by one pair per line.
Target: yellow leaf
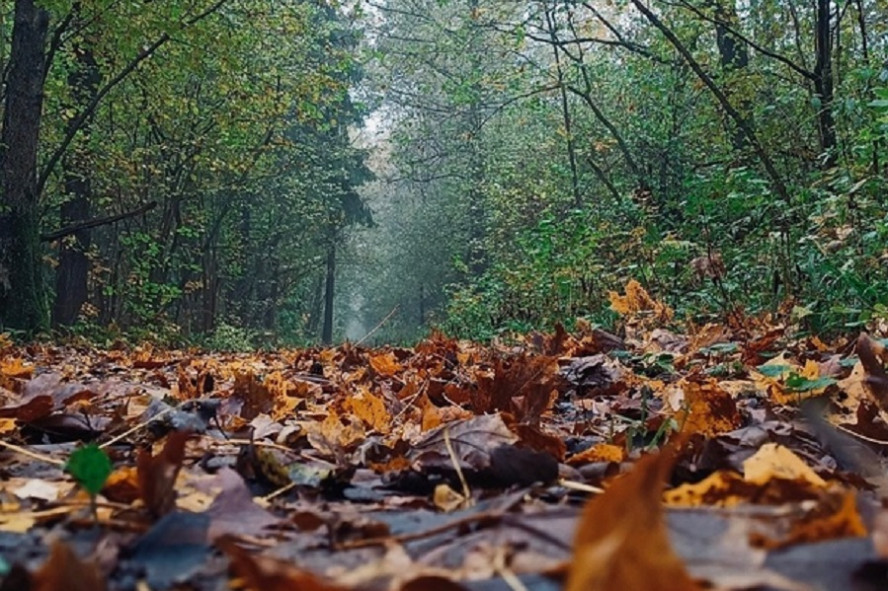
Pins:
x,y
775,461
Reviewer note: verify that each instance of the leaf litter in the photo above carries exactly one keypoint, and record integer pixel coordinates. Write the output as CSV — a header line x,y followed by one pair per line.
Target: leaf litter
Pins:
x,y
726,458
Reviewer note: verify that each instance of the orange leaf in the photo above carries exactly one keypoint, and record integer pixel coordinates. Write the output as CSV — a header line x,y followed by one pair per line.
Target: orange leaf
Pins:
x,y
371,410
839,519
15,368
622,541
601,452
123,485
385,364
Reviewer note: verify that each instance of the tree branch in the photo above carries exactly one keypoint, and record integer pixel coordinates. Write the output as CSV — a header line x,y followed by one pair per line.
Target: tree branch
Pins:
x,y
96,222
90,108
739,120
805,73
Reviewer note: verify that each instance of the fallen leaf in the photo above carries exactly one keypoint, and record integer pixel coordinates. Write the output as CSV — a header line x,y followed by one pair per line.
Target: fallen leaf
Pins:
x,y
776,461
622,542
157,474
876,379
64,571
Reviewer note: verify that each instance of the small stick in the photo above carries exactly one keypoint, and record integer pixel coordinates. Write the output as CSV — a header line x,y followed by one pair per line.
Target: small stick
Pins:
x,y
410,536
31,454
411,400
378,326
467,494
503,570
272,445
580,486
277,493
135,428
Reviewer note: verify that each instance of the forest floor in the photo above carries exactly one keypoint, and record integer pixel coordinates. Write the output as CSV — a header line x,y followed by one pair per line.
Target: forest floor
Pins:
x,y
723,458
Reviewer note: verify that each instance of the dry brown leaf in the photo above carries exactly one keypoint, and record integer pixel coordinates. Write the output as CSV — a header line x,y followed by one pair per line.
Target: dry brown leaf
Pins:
x,y
157,474
385,364
14,367
622,542
370,409
707,409
64,571
876,380
829,520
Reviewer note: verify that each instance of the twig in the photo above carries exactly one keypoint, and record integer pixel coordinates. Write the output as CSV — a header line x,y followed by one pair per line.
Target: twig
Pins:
x,y
580,486
272,445
135,428
857,435
502,569
277,493
467,494
31,454
409,537
378,326
411,400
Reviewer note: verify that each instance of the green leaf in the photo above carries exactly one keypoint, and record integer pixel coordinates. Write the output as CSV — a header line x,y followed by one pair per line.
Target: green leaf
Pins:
x,y
798,383
772,371
90,466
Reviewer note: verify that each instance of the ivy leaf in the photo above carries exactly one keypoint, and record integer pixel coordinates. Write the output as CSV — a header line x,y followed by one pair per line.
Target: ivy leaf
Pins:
x,y
90,466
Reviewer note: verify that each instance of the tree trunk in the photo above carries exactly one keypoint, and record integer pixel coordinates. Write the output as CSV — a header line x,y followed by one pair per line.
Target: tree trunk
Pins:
x,y
327,332
22,294
733,56
565,110
73,270
823,84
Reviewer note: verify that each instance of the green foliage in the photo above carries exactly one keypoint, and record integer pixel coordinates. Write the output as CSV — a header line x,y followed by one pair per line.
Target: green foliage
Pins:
x,y
664,178
231,338
90,466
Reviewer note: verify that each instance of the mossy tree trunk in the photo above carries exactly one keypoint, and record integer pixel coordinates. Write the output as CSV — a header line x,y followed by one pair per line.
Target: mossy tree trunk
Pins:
x,y
22,296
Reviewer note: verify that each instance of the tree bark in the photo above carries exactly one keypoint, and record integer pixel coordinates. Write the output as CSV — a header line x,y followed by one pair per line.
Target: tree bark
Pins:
x,y
72,272
733,56
327,332
22,292
565,110
823,84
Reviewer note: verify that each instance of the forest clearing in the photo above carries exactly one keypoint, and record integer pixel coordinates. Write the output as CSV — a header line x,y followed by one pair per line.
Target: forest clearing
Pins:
x,y
443,294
